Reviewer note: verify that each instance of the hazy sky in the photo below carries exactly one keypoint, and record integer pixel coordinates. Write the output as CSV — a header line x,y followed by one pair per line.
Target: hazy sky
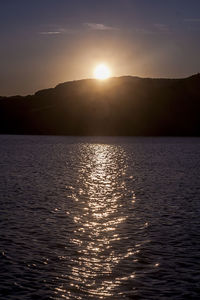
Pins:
x,y
45,42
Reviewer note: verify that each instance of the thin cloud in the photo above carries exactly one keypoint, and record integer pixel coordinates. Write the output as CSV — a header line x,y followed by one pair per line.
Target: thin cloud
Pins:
x,y
50,32
162,28
56,30
153,30
192,20
98,26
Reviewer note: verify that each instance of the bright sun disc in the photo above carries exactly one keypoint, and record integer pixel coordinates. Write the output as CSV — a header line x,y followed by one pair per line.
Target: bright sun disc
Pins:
x,y
102,72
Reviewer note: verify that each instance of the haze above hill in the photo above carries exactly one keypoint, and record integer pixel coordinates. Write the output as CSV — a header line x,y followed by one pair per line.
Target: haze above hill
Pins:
x,y
118,106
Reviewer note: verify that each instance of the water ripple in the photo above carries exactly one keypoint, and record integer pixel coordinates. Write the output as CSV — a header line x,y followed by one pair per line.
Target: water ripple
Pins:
x,y
116,218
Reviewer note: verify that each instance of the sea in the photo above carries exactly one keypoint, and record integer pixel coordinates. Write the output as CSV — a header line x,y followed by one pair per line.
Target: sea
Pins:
x,y
99,218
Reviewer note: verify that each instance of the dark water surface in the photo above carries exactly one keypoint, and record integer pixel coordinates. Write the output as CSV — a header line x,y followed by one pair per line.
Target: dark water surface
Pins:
x,y
99,218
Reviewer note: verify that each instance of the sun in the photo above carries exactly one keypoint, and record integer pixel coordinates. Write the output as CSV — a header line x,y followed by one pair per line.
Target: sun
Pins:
x,y
102,72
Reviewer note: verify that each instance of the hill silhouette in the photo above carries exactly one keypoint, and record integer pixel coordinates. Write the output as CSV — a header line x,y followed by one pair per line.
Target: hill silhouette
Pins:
x,y
118,106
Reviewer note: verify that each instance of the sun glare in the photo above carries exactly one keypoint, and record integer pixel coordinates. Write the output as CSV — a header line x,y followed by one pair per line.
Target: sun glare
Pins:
x,y
102,72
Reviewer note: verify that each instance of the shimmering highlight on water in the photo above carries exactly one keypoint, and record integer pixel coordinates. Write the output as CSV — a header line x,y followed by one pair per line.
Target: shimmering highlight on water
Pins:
x,y
101,202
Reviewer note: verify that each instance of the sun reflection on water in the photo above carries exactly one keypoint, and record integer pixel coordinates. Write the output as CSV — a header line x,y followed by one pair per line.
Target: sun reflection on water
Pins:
x,y
101,201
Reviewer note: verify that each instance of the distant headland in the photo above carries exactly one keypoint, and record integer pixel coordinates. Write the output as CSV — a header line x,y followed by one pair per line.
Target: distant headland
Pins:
x,y
127,105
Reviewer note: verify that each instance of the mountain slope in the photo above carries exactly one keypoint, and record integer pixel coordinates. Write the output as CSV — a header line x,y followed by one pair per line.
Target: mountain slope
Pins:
x,y
119,106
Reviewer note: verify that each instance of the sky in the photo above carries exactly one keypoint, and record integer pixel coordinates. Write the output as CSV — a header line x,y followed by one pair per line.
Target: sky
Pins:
x,y
46,42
